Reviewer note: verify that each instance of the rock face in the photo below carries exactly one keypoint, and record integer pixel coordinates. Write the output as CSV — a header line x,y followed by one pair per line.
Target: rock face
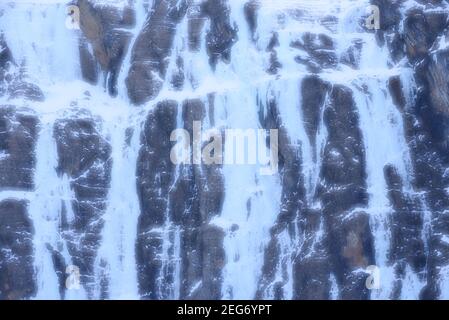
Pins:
x,y
84,159
16,256
426,116
343,189
222,34
151,51
105,41
18,134
362,185
149,60
177,206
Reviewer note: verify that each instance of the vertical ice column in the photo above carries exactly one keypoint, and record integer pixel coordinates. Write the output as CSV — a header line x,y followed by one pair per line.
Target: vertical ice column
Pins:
x,y
45,212
116,256
384,139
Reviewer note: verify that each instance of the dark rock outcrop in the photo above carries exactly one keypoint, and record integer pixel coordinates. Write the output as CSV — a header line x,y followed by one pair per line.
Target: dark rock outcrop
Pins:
x,y
426,124
84,157
18,134
104,31
342,191
222,34
150,52
17,278
177,203
319,49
